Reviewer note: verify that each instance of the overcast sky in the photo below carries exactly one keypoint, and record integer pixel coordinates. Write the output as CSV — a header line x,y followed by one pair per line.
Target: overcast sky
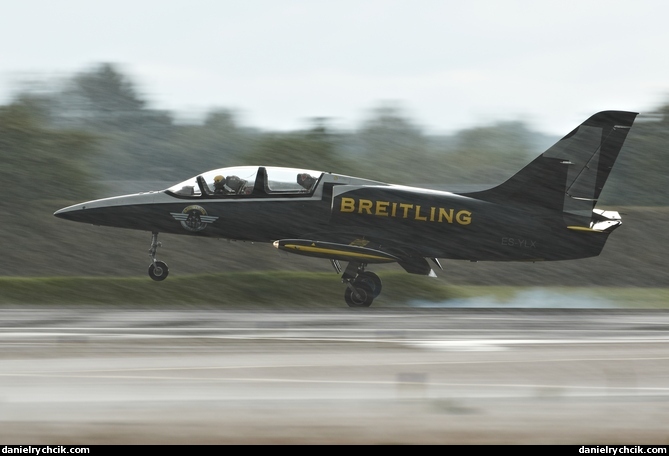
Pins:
x,y
449,64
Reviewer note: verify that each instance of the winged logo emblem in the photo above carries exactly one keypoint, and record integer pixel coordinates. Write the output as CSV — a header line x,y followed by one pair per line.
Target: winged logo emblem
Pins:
x,y
193,218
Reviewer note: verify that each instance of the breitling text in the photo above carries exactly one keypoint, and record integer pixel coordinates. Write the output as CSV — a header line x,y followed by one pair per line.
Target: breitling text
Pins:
x,y
405,211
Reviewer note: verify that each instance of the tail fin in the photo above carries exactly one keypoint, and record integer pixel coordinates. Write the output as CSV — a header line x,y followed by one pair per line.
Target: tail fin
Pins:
x,y
570,175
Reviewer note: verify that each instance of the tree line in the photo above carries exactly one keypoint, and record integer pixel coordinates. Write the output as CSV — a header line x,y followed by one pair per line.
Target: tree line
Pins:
x,y
94,127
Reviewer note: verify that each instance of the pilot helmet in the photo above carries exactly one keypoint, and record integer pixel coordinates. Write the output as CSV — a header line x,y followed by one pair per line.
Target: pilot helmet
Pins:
x,y
305,180
219,181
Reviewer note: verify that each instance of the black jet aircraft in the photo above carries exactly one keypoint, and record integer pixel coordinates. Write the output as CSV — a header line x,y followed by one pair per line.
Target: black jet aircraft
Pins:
x,y
545,212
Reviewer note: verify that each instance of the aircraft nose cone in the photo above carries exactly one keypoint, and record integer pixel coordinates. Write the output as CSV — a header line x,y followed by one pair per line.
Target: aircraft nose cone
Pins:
x,y
70,212
63,213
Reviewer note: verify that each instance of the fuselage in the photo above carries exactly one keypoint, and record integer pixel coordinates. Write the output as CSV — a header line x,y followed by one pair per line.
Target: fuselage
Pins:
x,y
545,212
271,206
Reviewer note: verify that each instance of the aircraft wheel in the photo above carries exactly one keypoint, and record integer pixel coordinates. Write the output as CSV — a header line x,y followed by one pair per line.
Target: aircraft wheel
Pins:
x,y
158,271
364,298
372,280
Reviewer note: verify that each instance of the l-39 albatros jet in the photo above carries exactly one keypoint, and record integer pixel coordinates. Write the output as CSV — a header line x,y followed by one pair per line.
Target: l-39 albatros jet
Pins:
x,y
545,212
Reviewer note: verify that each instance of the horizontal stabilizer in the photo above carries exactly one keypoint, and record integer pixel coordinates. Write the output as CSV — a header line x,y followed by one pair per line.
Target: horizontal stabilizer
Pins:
x,y
334,251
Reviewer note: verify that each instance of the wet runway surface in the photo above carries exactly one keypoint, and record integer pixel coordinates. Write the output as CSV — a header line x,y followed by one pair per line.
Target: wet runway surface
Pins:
x,y
380,376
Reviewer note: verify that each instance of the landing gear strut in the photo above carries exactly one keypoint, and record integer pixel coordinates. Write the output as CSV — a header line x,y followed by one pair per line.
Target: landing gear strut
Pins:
x,y
158,270
361,286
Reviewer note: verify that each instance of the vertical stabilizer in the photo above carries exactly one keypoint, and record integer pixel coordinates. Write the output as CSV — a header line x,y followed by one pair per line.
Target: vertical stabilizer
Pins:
x,y
570,175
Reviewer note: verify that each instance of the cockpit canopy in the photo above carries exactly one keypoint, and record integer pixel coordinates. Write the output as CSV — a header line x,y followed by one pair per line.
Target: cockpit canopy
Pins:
x,y
248,181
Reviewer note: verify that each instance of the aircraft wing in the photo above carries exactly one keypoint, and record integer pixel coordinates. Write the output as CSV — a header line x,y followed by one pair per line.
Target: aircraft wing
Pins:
x,y
413,264
335,251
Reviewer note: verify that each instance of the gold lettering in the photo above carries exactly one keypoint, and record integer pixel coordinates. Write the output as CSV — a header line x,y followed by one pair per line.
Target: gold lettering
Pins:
x,y
365,205
347,205
445,215
418,216
464,217
387,208
382,208
406,208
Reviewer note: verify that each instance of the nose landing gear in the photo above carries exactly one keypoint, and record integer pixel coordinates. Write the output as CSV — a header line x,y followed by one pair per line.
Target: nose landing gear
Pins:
x,y
158,270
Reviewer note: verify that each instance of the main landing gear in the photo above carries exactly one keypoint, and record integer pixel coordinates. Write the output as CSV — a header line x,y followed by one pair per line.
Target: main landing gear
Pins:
x,y
158,270
361,286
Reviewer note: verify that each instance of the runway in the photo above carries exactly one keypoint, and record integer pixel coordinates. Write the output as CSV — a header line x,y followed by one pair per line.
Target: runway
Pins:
x,y
84,376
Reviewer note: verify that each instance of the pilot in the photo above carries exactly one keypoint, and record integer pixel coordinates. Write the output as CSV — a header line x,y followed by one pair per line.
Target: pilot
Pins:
x,y
219,185
305,180
228,185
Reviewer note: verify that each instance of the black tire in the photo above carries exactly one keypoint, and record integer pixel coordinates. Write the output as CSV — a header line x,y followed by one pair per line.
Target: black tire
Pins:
x,y
158,271
372,280
365,298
